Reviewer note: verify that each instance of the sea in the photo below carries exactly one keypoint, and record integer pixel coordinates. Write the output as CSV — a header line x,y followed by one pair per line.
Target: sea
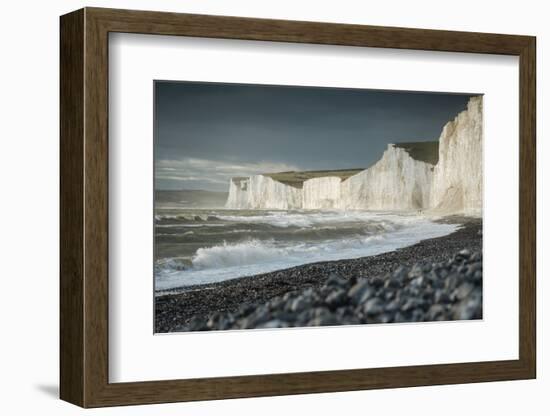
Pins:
x,y
195,246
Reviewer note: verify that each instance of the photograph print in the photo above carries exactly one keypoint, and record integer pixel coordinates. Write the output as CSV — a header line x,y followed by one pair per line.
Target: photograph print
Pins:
x,y
291,206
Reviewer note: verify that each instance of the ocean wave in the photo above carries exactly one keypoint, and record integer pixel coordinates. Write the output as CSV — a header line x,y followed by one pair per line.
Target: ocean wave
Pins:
x,y
250,252
186,233
285,219
173,264
186,217
256,252
246,258
184,225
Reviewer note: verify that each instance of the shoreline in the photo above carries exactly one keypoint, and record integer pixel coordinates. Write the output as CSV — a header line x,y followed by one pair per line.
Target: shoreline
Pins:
x,y
174,312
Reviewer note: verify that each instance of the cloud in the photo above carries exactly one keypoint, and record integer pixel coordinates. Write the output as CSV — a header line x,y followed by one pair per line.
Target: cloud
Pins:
x,y
194,173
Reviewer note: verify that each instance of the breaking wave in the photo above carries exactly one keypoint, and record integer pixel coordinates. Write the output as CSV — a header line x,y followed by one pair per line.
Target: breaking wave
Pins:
x,y
251,256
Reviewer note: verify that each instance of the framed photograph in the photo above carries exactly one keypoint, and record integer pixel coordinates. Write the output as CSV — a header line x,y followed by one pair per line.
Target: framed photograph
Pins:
x,y
255,207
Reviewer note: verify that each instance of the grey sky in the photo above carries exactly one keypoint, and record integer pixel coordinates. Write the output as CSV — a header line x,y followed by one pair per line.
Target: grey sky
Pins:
x,y
205,133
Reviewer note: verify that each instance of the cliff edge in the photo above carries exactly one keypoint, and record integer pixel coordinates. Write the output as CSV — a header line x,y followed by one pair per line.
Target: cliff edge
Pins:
x,y
442,177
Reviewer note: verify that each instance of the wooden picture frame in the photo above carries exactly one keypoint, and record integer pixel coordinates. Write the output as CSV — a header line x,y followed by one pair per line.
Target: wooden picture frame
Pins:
x,y
84,207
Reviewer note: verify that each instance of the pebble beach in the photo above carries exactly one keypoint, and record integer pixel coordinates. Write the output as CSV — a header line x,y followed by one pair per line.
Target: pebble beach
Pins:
x,y
433,280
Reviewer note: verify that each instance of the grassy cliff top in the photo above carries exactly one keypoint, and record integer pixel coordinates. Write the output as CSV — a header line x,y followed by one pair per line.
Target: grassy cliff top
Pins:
x,y
297,179
423,151
427,152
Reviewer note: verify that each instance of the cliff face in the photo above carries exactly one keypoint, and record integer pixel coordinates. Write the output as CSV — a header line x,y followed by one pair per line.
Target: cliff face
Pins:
x,y
396,182
322,193
238,193
443,177
458,176
262,192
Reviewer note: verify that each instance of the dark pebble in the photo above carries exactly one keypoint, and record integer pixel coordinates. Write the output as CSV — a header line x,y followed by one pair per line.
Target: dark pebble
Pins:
x,y
336,299
446,288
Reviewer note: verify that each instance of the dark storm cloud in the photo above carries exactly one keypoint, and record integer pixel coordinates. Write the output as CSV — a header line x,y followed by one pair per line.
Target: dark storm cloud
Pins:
x,y
208,132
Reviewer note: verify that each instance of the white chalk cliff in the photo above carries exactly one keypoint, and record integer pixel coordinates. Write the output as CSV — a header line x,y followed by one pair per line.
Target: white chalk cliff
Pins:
x,y
321,193
442,177
458,176
262,192
396,182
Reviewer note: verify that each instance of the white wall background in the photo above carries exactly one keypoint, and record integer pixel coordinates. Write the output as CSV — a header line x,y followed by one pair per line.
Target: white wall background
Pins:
x,y
29,209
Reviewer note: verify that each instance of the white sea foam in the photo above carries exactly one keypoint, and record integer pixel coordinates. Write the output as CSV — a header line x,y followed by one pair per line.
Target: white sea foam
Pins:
x,y
239,254
228,261
183,225
286,219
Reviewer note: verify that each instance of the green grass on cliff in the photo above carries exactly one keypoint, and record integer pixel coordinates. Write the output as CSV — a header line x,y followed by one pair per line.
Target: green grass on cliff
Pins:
x,y
296,179
424,151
